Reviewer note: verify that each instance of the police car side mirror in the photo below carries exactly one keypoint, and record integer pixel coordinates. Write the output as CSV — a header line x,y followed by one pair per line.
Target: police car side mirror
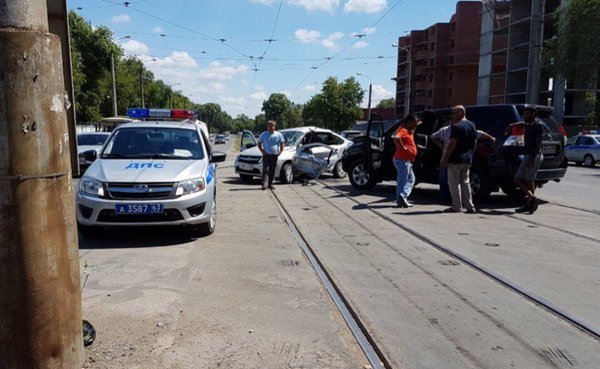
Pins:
x,y
217,157
250,145
90,155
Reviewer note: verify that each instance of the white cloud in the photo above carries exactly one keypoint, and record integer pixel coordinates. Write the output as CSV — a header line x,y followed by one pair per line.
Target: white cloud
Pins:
x,y
331,41
380,93
309,88
287,93
217,87
221,72
360,44
121,18
307,36
365,6
133,47
157,30
311,5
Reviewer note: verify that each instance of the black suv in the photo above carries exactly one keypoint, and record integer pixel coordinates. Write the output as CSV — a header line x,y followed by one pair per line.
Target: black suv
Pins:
x,y
493,166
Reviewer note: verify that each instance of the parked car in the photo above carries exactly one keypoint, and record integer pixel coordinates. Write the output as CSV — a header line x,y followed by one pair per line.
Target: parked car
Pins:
x,y
493,166
219,139
583,149
151,173
89,141
248,164
351,135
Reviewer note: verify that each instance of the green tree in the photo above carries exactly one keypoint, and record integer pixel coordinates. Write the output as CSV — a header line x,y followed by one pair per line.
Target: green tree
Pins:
x,y
260,123
387,103
91,51
242,122
337,106
293,117
275,107
572,53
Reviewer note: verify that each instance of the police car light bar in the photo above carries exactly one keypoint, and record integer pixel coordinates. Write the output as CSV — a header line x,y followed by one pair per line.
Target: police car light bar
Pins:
x,y
160,113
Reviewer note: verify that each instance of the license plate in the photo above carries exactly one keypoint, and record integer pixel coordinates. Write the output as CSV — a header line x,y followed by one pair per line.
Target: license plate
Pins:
x,y
245,166
549,149
139,209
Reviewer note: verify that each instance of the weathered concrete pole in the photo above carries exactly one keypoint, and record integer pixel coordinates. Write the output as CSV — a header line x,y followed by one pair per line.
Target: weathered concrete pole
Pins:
x,y
40,297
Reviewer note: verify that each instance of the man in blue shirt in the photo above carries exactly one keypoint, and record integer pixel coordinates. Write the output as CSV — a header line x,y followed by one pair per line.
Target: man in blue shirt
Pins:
x,y
270,143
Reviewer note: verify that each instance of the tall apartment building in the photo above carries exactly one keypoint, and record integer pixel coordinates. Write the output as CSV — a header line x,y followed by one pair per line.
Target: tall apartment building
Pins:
x,y
510,63
444,62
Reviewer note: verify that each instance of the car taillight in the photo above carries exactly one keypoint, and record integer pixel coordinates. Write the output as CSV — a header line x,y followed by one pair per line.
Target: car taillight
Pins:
x,y
563,131
515,140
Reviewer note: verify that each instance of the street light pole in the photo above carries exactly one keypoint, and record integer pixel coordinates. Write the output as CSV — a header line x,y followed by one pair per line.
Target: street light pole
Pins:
x,y
408,76
370,93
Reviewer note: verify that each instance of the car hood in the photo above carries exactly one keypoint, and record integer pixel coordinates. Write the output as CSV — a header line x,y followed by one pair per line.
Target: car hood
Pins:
x,y
118,170
83,148
254,151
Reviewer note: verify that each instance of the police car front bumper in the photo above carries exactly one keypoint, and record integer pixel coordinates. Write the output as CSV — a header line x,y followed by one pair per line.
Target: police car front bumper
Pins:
x,y
189,209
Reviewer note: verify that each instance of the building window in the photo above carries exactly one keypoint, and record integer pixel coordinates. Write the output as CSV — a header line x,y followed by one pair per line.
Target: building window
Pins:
x,y
452,43
431,62
450,76
431,78
432,46
429,93
449,92
453,26
451,59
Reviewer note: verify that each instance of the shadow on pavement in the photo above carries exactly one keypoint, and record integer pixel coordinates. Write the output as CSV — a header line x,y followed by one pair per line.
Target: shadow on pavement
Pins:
x,y
134,237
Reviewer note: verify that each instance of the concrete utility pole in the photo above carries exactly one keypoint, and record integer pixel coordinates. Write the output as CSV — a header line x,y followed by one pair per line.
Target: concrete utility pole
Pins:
x,y
142,84
40,297
114,84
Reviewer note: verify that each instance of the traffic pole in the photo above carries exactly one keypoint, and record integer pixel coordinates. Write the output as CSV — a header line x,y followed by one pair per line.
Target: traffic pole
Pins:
x,y
40,294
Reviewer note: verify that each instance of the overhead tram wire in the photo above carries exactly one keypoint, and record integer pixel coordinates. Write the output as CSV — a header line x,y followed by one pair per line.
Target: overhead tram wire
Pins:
x,y
358,38
261,58
222,41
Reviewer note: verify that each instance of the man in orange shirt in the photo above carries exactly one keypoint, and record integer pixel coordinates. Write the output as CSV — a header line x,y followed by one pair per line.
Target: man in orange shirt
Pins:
x,y
406,152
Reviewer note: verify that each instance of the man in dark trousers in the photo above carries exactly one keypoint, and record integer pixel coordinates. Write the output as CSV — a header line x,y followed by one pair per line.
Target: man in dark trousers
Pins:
x,y
458,159
270,144
532,160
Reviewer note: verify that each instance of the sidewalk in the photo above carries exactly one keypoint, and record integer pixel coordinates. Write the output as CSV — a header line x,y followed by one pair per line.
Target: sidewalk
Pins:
x,y
244,297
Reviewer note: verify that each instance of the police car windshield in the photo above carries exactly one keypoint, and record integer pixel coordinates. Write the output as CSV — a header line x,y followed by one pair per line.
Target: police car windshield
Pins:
x,y
154,143
291,137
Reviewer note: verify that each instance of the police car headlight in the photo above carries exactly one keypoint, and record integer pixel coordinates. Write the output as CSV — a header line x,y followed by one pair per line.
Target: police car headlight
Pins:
x,y
190,186
90,186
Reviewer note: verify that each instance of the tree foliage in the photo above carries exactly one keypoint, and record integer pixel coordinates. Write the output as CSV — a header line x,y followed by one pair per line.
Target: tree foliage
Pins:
x,y
387,103
275,107
337,106
573,52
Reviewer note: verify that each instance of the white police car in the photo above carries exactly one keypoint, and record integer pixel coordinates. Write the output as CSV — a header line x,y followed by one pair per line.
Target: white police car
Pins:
x,y
153,172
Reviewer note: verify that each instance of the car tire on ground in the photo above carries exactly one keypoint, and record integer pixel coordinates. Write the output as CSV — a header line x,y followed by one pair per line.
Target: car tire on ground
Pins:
x,y
89,231
206,229
588,160
338,170
246,178
286,176
480,184
359,178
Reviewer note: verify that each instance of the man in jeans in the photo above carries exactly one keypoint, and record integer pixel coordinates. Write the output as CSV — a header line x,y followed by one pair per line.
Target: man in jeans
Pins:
x,y
532,160
406,152
270,144
458,159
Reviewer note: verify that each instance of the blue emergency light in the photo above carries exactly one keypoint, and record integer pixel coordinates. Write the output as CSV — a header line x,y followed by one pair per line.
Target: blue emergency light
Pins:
x,y
138,113
160,113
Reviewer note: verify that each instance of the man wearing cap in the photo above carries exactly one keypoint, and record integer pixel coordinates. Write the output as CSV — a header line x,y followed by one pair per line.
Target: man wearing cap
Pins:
x,y
270,144
458,158
406,152
532,158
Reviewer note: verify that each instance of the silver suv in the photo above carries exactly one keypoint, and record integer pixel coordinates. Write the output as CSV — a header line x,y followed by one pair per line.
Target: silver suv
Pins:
x,y
151,173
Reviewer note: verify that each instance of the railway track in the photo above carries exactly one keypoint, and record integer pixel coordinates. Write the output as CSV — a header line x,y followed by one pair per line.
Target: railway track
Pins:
x,y
511,285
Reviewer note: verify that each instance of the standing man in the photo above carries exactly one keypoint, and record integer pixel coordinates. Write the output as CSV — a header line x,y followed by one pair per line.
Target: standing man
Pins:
x,y
458,159
406,152
442,139
532,160
270,143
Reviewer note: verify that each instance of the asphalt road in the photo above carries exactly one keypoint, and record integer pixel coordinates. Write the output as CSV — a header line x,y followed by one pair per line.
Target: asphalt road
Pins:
x,y
246,297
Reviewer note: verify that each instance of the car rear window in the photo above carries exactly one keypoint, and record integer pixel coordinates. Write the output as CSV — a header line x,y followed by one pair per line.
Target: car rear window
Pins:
x,y
91,140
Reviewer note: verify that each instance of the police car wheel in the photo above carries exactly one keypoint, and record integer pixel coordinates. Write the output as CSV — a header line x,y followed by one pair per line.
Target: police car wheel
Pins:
x,y
206,229
287,174
89,231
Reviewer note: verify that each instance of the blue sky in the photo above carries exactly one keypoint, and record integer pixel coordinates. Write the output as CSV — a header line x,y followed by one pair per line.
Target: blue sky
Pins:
x,y
209,50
